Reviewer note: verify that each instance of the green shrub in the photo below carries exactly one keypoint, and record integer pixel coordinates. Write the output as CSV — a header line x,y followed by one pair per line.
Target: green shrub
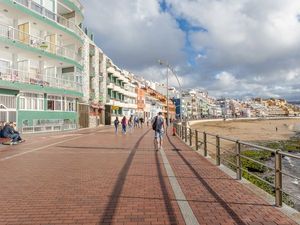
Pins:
x,y
291,148
260,156
258,170
273,145
259,183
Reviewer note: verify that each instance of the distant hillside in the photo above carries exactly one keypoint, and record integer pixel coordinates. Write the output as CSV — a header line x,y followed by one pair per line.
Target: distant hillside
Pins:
x,y
294,102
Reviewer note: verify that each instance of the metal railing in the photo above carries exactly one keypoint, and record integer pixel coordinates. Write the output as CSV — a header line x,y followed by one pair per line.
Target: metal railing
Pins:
x,y
48,128
32,5
231,153
64,83
37,42
14,75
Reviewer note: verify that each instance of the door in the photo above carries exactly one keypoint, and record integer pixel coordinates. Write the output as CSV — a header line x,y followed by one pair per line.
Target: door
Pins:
x,y
23,70
50,73
24,33
5,70
83,115
107,115
52,40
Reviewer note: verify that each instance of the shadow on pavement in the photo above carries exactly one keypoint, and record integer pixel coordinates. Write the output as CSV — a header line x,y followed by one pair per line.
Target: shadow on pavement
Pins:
x,y
112,204
229,210
166,196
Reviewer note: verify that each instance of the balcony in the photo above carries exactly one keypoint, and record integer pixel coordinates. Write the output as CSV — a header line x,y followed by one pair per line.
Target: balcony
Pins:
x,y
92,72
32,5
13,75
92,95
37,42
92,52
77,4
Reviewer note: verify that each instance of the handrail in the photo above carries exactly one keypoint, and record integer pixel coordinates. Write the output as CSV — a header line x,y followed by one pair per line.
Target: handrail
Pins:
x,y
258,146
37,42
32,5
279,188
16,75
289,155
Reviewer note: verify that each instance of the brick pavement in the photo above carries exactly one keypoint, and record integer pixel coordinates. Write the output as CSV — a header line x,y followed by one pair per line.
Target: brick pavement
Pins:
x,y
100,178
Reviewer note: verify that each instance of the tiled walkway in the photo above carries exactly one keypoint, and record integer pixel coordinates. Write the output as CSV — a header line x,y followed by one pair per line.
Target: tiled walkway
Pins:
x,y
97,177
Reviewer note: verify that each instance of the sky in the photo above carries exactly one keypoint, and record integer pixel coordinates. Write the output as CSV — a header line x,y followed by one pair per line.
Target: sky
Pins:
x,y
230,48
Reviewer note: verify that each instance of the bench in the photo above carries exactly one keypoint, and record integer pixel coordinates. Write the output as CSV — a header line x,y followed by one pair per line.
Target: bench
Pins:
x,y
3,140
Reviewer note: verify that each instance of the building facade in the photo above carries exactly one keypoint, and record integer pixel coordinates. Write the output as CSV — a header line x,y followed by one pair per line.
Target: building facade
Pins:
x,y
41,64
121,93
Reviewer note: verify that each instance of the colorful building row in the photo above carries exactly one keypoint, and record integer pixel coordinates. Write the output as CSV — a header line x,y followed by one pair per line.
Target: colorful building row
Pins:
x,y
54,77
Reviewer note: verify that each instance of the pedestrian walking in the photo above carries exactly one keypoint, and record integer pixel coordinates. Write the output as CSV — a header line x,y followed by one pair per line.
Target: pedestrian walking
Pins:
x,y
124,124
158,125
136,122
130,124
141,122
116,123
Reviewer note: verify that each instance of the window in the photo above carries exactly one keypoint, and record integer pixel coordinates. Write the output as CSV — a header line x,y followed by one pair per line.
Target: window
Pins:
x,y
71,105
30,101
55,103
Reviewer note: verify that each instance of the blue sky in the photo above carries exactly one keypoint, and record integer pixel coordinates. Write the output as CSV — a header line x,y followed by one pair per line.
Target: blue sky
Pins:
x,y
232,48
187,28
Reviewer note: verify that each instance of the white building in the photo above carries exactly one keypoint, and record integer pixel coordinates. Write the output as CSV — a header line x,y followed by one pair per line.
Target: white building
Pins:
x,y
121,93
41,65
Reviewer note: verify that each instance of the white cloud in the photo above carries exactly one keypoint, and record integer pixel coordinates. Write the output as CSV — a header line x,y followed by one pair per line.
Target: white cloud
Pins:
x,y
135,33
251,47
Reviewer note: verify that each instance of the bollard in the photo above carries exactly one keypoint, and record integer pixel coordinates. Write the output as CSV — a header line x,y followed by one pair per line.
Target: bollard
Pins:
x,y
205,143
196,140
174,130
185,135
191,136
218,151
278,179
182,132
238,161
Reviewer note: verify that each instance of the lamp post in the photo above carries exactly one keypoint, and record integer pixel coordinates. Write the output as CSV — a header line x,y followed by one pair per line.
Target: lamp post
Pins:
x,y
179,84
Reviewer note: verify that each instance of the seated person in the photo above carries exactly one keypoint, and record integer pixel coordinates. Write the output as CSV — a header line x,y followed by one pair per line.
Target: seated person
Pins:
x,y
8,131
1,127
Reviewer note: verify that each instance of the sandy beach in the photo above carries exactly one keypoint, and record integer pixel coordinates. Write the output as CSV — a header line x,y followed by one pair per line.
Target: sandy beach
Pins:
x,y
252,130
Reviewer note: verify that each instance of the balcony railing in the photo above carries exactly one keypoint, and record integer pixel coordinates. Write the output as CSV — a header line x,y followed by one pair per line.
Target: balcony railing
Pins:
x,y
37,42
14,75
48,128
78,4
64,83
32,5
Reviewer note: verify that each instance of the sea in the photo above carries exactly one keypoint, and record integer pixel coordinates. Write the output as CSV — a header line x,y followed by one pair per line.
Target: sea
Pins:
x,y
290,184
291,166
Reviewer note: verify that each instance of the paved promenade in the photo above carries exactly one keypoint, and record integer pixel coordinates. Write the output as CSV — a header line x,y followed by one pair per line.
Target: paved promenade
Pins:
x,y
96,177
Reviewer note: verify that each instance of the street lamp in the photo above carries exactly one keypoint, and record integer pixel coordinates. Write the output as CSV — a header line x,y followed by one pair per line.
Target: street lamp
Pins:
x,y
162,63
179,84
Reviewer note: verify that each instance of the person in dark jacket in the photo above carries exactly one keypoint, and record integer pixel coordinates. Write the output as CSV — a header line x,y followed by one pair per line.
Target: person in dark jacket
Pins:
x,y
1,128
8,131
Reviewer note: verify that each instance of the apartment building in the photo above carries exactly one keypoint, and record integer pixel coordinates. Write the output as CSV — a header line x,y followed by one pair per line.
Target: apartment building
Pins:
x,y
94,83
41,64
121,93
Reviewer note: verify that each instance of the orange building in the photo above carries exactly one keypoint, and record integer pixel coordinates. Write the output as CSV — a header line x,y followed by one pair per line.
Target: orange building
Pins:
x,y
141,104
162,102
